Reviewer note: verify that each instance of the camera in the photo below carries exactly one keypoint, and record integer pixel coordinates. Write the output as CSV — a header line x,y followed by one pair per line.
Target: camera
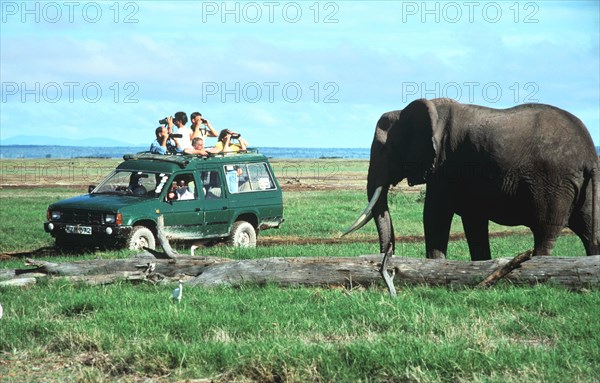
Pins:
x,y
203,121
163,121
235,135
175,135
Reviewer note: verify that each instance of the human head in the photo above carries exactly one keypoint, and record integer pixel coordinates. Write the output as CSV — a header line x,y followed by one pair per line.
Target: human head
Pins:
x,y
223,134
198,143
181,117
161,131
195,115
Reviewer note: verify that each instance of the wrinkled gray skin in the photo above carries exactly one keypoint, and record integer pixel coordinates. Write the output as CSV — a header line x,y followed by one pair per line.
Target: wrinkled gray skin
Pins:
x,y
532,165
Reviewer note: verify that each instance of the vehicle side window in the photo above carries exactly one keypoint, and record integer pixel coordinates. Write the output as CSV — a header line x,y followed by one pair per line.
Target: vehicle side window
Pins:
x,y
211,184
183,188
248,177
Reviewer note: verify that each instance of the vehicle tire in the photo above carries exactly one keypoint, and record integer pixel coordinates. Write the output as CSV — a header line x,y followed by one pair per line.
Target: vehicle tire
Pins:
x,y
242,235
139,238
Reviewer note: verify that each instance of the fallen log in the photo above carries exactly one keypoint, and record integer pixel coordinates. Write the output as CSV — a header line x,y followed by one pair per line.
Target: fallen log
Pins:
x,y
568,272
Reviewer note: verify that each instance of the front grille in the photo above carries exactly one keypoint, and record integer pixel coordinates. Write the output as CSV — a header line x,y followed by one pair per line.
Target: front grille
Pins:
x,y
88,217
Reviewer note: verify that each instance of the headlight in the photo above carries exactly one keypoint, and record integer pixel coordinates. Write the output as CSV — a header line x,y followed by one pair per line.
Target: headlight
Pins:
x,y
110,218
113,219
55,215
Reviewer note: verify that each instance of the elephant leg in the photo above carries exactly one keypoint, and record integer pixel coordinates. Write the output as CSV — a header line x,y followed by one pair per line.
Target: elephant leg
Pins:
x,y
437,219
478,238
581,224
545,238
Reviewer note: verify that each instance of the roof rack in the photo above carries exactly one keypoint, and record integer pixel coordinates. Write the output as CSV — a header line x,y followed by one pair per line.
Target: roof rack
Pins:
x,y
238,153
183,160
180,160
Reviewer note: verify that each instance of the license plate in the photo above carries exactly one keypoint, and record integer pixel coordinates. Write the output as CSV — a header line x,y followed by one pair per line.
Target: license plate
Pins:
x,y
86,230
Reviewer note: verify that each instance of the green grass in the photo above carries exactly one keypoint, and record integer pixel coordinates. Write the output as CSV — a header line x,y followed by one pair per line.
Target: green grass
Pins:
x,y
273,334
60,332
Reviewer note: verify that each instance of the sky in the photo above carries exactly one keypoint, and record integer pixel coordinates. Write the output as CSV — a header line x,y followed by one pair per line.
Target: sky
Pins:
x,y
285,73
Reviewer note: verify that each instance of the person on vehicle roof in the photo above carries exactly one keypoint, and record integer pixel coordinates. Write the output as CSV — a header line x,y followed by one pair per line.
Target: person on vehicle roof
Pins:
x,y
225,143
179,120
163,144
198,148
198,130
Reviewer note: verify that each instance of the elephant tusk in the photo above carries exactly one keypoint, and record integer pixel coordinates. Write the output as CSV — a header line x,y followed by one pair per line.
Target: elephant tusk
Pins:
x,y
366,215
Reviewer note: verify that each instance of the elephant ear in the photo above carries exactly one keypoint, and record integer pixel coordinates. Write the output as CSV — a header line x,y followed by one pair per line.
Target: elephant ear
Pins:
x,y
385,123
414,141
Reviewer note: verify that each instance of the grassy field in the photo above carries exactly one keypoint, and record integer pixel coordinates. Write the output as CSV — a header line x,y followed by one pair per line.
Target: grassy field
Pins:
x,y
59,332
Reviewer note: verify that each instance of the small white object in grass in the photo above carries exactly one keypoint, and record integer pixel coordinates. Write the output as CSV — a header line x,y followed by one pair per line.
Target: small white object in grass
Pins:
x,y
0,311
178,292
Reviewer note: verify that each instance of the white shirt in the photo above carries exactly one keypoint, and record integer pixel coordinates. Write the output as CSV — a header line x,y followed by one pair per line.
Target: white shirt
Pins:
x,y
185,142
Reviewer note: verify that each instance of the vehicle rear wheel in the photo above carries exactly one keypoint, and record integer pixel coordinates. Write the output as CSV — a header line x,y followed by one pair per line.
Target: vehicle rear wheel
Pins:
x,y
139,238
243,235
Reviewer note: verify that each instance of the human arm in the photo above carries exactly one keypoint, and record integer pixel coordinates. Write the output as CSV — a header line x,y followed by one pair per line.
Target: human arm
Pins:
x,y
159,146
211,131
218,148
243,144
201,152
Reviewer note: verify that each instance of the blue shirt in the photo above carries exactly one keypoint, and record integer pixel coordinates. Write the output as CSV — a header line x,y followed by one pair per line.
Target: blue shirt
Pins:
x,y
156,147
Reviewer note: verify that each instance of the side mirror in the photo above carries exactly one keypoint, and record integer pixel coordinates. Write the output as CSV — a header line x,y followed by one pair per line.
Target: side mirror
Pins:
x,y
91,188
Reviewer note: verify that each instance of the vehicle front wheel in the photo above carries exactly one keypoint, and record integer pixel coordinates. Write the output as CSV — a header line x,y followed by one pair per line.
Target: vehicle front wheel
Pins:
x,y
139,238
243,235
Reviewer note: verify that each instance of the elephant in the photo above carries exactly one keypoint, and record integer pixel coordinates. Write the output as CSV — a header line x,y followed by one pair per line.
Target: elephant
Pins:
x,y
532,164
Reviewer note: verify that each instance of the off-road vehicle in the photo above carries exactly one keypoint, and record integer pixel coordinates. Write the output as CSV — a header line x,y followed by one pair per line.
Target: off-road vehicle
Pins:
x,y
220,197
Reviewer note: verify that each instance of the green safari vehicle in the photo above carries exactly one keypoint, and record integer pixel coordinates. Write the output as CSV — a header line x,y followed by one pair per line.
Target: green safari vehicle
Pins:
x,y
223,197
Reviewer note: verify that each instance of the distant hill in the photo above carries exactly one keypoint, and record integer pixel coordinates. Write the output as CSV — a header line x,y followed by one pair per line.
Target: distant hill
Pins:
x,y
58,141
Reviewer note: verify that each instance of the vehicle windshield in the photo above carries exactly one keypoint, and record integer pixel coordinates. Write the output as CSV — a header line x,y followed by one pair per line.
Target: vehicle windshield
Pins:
x,y
133,183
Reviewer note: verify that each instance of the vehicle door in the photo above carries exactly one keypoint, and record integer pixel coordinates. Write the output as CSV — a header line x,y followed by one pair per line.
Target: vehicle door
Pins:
x,y
182,207
215,205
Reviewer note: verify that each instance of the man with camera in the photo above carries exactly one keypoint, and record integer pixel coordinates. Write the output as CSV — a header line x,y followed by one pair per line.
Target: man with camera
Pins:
x,y
225,143
163,143
183,134
198,130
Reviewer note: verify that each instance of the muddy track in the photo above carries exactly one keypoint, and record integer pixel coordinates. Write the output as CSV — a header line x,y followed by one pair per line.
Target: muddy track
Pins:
x,y
280,241
276,241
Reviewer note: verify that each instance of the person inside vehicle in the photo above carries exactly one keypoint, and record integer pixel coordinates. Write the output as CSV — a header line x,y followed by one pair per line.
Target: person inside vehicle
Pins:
x,y
136,184
225,143
179,120
172,193
183,191
163,144
197,126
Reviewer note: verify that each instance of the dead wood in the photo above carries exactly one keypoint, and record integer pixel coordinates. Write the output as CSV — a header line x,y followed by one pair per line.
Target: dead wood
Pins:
x,y
505,269
569,272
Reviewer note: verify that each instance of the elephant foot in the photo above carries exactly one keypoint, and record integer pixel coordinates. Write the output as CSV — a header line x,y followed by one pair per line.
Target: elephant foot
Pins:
x,y
435,254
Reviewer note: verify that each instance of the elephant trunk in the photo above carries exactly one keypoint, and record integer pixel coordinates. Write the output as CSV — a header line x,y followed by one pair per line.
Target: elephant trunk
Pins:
x,y
383,220
378,210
